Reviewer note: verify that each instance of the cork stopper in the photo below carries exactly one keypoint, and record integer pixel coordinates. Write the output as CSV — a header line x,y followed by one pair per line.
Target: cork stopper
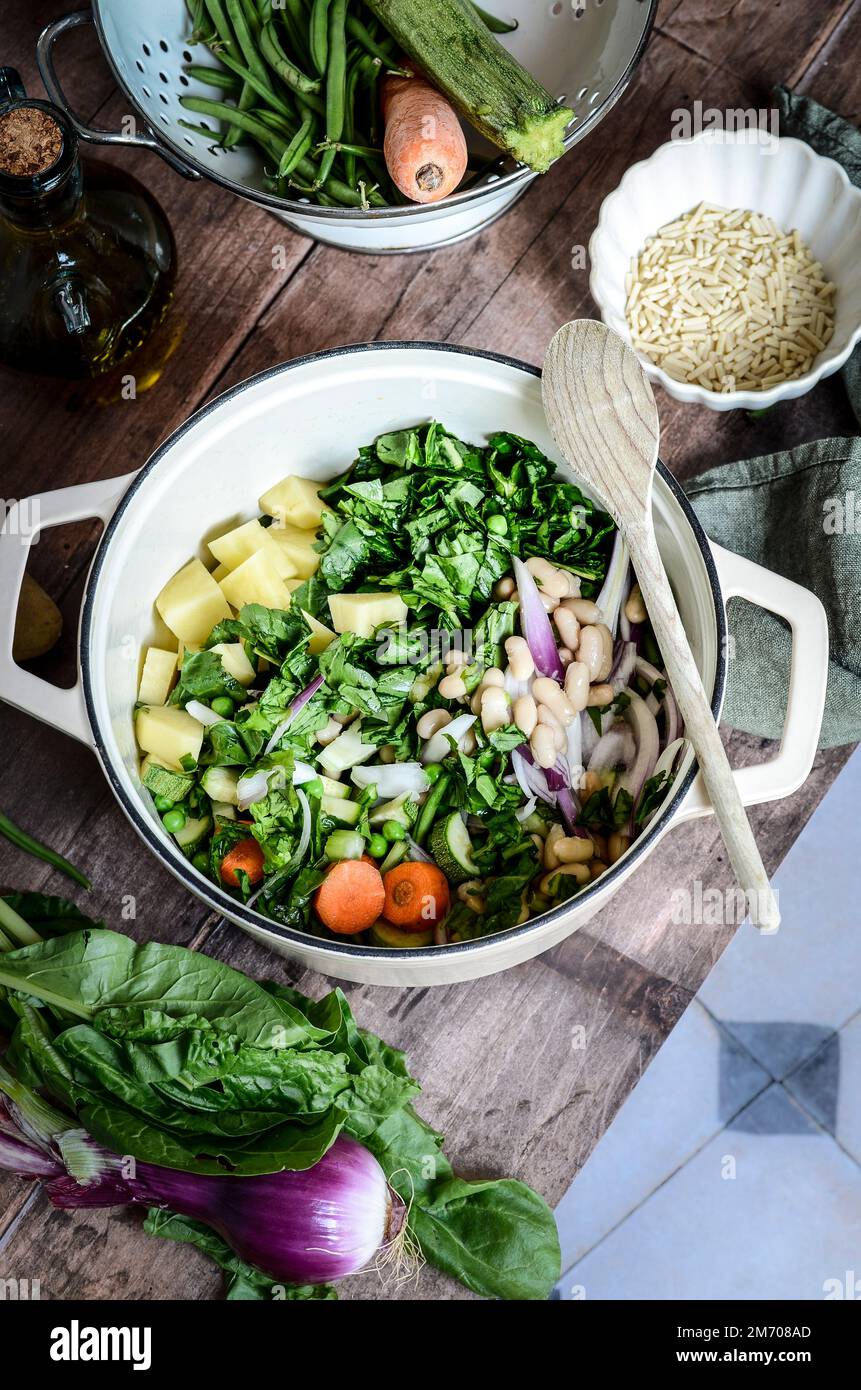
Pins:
x,y
31,141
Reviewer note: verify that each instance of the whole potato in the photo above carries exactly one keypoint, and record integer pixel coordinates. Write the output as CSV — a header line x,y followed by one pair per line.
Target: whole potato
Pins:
x,y
38,623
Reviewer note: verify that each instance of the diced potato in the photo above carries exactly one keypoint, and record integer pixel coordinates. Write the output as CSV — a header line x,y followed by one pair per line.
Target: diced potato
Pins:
x,y
157,676
256,581
220,572
362,613
235,662
236,546
192,603
321,635
169,733
149,761
294,500
297,548
183,648
293,584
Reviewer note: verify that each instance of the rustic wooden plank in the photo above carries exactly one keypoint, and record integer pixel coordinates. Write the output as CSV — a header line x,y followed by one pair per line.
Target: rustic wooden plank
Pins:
x,y
752,38
833,78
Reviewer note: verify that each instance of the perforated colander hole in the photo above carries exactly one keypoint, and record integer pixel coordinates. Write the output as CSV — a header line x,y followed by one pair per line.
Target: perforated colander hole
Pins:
x,y
139,65
162,45
188,140
164,77
147,50
187,56
557,8
492,178
162,98
582,92
596,96
183,79
146,91
579,12
164,119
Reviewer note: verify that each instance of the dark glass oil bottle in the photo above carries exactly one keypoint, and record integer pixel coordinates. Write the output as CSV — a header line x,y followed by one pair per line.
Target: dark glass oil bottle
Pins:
x,y
87,257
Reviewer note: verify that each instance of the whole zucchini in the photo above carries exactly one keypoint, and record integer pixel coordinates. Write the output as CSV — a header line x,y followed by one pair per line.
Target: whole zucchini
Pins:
x,y
455,50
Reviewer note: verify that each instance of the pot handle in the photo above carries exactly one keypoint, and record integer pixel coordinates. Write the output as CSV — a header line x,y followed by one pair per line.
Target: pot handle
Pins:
x,y
25,520
45,59
788,769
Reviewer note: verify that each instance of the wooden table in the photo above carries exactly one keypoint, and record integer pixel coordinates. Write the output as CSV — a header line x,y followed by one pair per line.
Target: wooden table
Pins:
x,y
504,1073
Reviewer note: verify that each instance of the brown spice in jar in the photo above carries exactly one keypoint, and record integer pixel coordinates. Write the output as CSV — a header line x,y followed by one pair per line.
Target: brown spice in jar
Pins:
x,y
30,141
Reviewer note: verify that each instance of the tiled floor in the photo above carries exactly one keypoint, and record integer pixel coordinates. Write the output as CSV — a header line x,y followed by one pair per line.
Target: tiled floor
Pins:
x,y
734,1169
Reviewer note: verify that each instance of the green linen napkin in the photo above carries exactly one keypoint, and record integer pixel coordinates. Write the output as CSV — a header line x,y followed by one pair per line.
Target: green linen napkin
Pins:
x,y
797,512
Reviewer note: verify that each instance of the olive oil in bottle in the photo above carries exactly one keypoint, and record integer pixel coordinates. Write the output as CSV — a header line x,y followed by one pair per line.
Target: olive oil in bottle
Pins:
x,y
87,257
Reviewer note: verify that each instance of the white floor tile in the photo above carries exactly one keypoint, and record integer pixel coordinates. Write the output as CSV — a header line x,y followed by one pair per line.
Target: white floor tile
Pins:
x,y
808,975
789,1220
699,1079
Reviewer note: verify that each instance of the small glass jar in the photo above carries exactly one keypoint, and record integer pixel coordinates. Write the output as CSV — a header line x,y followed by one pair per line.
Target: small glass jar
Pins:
x,y
87,257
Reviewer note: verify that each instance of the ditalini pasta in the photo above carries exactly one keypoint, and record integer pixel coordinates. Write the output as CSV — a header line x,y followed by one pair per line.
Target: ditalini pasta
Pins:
x,y
723,298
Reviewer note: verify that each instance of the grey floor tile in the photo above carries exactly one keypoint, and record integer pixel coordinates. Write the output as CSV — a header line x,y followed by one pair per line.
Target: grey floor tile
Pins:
x,y
700,1078
806,978
816,1084
772,1210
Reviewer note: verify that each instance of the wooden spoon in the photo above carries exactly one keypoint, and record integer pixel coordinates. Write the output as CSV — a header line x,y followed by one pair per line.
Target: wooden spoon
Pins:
x,y
603,416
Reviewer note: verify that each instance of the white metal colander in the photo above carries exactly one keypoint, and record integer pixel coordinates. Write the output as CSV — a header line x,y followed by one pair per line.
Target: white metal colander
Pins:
x,y
584,51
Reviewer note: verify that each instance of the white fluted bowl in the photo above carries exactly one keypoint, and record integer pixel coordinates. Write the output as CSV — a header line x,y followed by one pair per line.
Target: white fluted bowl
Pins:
x,y
782,178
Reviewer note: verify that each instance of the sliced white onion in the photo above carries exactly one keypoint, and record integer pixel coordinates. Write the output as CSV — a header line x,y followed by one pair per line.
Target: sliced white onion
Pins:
x,y
305,837
438,745
574,752
391,779
531,779
614,749
513,687
610,598
524,812
203,714
624,663
651,674
254,787
280,730
645,730
303,772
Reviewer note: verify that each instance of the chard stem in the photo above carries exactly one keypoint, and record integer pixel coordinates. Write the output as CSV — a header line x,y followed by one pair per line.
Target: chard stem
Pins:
x,y
19,930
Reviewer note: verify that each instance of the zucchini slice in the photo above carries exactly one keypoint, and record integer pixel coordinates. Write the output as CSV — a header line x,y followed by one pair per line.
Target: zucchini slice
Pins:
x,y
451,847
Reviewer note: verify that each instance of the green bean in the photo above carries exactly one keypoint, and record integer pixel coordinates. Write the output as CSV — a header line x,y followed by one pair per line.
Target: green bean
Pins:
x,y
281,64
336,84
320,35
335,188
262,89
220,111
214,77
26,842
226,43
298,147
197,15
386,56
430,808
490,21
245,39
344,147
296,24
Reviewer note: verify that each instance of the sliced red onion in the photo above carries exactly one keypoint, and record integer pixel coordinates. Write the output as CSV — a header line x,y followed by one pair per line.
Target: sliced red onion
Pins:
x,y
391,779
531,780
645,731
651,674
670,756
535,625
416,852
203,714
624,662
301,699
438,745
610,598
673,725
615,749
565,802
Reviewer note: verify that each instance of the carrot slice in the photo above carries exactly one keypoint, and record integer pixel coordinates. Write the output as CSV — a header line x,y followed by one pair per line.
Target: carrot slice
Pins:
x,y
416,896
246,855
351,897
424,144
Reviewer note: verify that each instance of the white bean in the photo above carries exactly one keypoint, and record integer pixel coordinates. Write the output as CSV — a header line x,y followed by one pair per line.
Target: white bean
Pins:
x,y
495,708
548,692
574,849
577,685
616,846
600,696
566,656
584,610
607,643
503,588
543,746
388,753
550,579
431,721
590,651
455,658
554,835
549,720
452,688
635,608
525,714
578,871
493,676
468,743
567,626
519,658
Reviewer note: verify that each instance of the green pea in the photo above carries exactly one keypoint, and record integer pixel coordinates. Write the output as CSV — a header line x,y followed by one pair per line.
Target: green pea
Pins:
x,y
497,525
201,861
378,846
393,830
174,820
433,771
223,705
162,804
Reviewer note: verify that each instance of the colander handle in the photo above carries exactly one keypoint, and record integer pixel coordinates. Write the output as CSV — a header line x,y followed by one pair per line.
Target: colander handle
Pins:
x,y
45,57
808,676
25,520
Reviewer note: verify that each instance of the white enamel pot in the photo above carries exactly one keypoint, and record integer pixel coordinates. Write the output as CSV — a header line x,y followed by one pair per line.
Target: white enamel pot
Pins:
x,y
309,416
